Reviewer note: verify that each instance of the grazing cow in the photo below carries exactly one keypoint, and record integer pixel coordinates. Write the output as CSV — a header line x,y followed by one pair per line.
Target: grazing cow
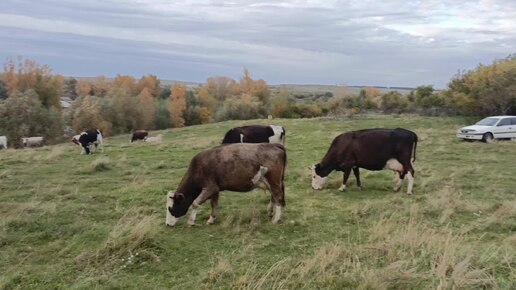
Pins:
x,y
255,134
75,139
3,142
236,167
372,149
33,141
91,137
156,139
139,135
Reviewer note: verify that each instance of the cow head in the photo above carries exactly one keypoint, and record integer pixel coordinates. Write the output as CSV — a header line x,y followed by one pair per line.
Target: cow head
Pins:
x,y
318,181
176,207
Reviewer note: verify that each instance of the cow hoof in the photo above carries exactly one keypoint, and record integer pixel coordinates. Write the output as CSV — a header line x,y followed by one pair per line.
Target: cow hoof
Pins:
x,y
210,221
190,224
170,225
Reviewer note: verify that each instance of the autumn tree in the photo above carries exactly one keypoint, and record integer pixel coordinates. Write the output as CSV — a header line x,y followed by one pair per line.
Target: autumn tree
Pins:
x,y
29,75
87,114
151,83
177,104
100,86
3,90
126,83
147,109
22,115
83,87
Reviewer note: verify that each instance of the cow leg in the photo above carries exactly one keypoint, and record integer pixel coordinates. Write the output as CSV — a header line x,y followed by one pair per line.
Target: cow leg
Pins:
x,y
398,180
356,172
270,207
205,194
347,171
277,194
214,206
410,176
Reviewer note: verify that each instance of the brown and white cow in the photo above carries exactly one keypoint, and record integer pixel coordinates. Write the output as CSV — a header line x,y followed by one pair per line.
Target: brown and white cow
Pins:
x,y
236,167
139,135
255,134
371,149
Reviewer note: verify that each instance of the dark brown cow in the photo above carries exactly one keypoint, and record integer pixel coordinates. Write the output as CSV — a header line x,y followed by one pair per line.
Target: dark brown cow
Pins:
x,y
371,149
139,135
237,167
255,134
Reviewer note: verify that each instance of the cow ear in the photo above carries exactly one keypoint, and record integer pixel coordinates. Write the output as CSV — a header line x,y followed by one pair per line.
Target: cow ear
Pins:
x,y
179,196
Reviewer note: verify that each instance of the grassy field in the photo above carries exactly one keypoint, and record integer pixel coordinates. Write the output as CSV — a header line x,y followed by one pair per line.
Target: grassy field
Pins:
x,y
70,221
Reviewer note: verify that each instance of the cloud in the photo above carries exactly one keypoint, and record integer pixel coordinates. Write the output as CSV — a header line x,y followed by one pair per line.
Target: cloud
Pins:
x,y
397,43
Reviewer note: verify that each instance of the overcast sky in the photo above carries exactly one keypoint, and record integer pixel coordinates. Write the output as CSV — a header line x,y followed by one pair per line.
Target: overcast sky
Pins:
x,y
362,42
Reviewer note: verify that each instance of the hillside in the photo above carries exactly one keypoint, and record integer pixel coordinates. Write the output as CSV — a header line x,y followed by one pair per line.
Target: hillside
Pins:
x,y
72,221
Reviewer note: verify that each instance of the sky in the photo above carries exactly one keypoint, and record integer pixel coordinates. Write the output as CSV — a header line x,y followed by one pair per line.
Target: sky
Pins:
x,y
375,43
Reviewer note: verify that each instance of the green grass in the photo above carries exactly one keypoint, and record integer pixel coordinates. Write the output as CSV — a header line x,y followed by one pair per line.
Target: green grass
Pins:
x,y
70,221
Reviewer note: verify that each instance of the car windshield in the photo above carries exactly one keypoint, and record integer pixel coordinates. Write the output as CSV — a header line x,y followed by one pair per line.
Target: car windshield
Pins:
x,y
487,122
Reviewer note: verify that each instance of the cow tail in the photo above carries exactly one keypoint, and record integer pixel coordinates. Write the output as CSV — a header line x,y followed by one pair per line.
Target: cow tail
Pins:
x,y
283,134
414,149
284,157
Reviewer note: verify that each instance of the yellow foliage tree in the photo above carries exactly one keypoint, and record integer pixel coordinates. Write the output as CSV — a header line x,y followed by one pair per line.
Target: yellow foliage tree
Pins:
x,y
151,83
147,109
177,104
83,88
126,83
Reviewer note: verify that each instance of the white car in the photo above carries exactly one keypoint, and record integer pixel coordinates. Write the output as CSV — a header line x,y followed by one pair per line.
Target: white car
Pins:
x,y
490,128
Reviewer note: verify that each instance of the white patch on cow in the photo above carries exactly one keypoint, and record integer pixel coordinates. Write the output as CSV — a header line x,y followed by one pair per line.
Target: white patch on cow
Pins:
x,y
170,219
258,178
276,138
277,214
394,165
342,187
269,208
211,220
410,182
193,215
241,138
398,181
317,181
100,141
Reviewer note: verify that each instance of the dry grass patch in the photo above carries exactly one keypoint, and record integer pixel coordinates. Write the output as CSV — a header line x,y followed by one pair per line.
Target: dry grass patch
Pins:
x,y
101,164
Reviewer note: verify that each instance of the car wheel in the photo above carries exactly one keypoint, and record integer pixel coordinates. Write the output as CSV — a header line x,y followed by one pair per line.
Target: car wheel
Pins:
x,y
487,138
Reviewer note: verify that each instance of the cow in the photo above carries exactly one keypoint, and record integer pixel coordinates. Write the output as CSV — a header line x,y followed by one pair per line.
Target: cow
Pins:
x,y
371,149
91,137
33,141
3,142
255,134
139,135
75,139
237,167
156,139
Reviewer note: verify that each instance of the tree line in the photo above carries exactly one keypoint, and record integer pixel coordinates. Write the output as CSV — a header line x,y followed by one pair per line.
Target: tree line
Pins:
x,y
30,96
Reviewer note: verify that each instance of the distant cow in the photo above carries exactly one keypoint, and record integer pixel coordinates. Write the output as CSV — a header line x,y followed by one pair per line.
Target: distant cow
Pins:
x,y
3,142
139,135
91,137
75,139
33,141
255,134
372,149
236,167
156,139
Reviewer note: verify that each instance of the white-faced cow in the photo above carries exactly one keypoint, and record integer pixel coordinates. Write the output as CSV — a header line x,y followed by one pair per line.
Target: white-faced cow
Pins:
x,y
237,167
139,135
255,134
371,149
91,137
3,142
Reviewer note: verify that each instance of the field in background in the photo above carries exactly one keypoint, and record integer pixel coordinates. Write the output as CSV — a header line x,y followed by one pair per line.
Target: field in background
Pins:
x,y
70,221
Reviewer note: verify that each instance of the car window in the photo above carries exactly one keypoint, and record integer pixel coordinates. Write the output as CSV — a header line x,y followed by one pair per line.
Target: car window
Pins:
x,y
504,122
488,121
513,121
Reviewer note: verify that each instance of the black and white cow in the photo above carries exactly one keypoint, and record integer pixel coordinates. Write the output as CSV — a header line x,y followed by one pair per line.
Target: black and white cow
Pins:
x,y
371,149
237,167
91,137
255,134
